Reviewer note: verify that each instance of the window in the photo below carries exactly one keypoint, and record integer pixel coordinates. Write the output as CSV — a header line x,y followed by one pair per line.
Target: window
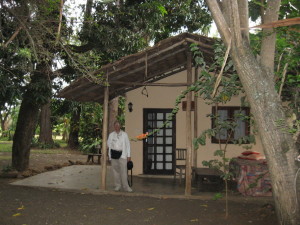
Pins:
x,y
230,123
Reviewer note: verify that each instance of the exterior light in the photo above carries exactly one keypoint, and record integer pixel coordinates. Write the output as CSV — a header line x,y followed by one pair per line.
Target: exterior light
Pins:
x,y
130,107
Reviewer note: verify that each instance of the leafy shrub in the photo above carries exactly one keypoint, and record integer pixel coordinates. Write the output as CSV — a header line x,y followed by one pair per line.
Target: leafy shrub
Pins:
x,y
36,144
7,168
91,147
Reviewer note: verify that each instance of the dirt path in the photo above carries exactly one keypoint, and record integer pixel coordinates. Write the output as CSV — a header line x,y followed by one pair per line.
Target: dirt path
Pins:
x,y
38,206
44,162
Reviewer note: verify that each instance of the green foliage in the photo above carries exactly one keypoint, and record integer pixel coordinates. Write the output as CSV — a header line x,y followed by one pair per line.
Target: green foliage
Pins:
x,y
8,168
90,130
92,147
229,86
118,30
217,196
7,135
205,84
121,110
287,55
289,9
36,144
48,151
25,53
6,146
161,8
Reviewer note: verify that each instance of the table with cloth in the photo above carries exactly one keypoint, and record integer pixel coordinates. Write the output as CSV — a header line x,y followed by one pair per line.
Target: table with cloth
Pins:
x,y
252,176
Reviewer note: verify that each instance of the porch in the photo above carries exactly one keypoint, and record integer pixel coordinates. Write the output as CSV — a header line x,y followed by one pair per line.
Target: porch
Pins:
x,y
87,179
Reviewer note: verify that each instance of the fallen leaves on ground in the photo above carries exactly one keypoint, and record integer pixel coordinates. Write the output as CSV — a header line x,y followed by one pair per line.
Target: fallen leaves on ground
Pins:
x,y
22,207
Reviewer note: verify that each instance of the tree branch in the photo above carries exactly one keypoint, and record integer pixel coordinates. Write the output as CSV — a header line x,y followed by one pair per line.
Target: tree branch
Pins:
x,y
267,51
222,69
81,48
219,20
244,18
26,30
67,70
13,36
235,26
60,20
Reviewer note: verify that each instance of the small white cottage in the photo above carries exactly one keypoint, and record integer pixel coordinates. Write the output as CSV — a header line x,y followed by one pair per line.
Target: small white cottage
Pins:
x,y
151,80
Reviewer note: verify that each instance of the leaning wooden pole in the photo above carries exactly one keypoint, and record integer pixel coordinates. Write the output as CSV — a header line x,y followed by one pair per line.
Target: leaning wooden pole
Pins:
x,y
188,175
195,120
104,139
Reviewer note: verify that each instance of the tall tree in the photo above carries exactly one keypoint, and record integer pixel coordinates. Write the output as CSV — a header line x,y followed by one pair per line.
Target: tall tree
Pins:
x,y
73,140
116,29
31,28
28,115
45,136
257,77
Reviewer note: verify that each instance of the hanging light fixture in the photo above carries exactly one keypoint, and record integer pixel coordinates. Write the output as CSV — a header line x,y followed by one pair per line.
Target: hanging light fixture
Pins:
x,y
130,105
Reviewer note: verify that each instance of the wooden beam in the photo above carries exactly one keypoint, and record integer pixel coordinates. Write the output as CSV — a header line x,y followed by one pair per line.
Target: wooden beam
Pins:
x,y
83,93
121,90
195,119
201,44
75,86
104,138
76,90
150,64
188,175
150,84
123,63
142,67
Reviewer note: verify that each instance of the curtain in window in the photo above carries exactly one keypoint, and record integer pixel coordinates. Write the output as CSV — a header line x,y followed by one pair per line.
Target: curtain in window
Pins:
x,y
223,116
239,130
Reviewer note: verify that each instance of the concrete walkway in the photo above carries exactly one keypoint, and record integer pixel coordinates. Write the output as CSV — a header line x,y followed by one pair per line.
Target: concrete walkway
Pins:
x,y
87,178
76,177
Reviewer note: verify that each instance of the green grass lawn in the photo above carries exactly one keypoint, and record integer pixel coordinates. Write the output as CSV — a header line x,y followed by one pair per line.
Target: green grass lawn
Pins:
x,y
6,146
5,157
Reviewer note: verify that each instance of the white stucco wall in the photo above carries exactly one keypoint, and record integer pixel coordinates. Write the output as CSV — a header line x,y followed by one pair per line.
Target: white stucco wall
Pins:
x,y
164,97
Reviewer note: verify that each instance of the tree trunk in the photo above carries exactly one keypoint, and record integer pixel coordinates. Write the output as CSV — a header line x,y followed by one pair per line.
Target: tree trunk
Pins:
x,y
45,125
3,128
73,141
279,148
65,135
267,51
4,124
36,92
24,132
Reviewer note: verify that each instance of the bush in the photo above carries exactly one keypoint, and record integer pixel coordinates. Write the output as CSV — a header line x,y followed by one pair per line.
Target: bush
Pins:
x,y
36,144
7,168
91,147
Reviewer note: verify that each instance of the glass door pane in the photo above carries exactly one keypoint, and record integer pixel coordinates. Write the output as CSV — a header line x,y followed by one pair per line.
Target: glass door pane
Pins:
x,y
158,148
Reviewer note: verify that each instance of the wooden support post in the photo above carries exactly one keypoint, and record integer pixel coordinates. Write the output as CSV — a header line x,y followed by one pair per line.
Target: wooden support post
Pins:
x,y
104,138
188,175
195,120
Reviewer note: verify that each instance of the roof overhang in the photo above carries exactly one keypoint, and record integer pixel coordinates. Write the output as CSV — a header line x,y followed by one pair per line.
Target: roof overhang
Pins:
x,y
163,59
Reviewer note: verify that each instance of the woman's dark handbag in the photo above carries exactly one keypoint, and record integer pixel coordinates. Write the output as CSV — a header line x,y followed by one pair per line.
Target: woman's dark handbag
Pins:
x,y
115,154
129,167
